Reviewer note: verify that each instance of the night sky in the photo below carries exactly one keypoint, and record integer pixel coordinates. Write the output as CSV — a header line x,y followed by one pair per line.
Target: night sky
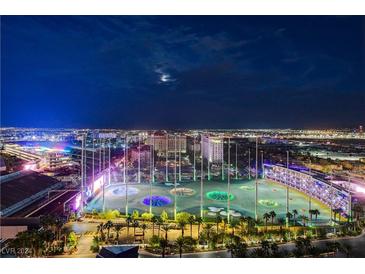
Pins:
x,y
183,71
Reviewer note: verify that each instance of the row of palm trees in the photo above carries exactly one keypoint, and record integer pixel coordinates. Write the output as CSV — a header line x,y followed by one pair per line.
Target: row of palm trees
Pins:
x,y
211,231
117,227
303,248
184,218
294,215
291,216
50,238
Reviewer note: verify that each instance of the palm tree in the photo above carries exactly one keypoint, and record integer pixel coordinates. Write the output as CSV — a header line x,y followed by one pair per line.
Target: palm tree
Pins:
x,y
225,222
191,221
238,250
47,222
310,215
266,217
144,227
218,220
358,211
250,224
265,248
289,216
182,219
234,223
22,240
108,226
243,223
304,219
199,221
159,223
47,236
118,228
135,214
281,222
154,220
166,228
182,223
272,215
163,244
295,214
180,242
72,241
316,212
99,229
95,246
335,212
135,225
128,221
208,229
59,222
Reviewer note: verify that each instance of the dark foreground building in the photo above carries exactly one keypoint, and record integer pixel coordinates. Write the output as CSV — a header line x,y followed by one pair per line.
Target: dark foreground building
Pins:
x,y
118,251
21,189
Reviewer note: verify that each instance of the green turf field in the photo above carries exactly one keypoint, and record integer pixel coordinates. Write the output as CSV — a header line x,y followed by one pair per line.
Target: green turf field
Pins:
x,y
271,196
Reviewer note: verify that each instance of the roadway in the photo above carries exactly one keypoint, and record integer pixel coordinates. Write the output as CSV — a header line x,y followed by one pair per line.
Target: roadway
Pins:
x,y
356,244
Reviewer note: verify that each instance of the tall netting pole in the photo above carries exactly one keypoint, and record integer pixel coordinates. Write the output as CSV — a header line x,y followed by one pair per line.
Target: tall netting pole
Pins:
x,y
175,180
249,164
229,181
201,177
194,163
126,178
287,187
167,158
256,181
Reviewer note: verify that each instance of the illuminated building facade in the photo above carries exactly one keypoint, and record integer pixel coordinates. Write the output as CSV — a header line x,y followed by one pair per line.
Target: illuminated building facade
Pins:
x,y
331,195
158,140
18,151
54,160
212,149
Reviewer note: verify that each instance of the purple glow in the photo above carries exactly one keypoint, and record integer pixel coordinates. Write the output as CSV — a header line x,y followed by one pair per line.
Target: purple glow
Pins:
x,y
157,201
30,167
78,201
98,184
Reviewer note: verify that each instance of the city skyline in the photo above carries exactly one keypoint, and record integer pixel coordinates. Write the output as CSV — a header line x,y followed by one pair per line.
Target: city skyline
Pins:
x,y
182,130
151,72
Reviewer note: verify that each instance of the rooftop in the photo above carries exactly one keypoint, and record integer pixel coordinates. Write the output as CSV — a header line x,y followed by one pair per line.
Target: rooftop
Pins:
x,y
25,188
